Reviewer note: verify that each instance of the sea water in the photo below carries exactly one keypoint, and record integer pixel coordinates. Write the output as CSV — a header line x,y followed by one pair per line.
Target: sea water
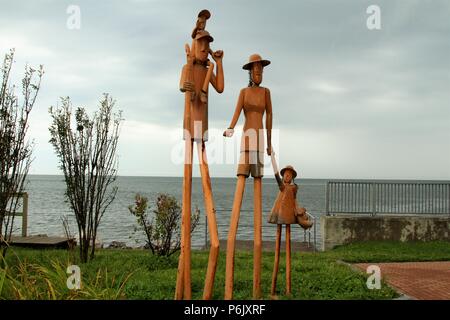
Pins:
x,y
47,205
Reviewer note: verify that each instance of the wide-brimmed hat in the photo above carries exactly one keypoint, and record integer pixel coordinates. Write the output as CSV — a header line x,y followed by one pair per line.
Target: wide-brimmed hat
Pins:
x,y
204,13
255,58
203,34
294,173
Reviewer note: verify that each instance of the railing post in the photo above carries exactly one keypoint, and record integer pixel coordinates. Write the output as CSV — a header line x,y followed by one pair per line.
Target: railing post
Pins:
x,y
309,239
372,185
24,214
448,195
328,199
314,226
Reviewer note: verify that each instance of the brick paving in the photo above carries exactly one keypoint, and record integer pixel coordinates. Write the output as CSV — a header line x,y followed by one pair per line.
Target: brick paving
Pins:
x,y
418,280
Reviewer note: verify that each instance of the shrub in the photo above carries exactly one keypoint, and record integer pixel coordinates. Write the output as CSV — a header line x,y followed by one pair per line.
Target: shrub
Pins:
x,y
163,231
15,149
87,157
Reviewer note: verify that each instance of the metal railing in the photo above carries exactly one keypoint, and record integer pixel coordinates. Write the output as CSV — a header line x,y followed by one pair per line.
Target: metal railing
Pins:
x,y
388,197
307,234
309,231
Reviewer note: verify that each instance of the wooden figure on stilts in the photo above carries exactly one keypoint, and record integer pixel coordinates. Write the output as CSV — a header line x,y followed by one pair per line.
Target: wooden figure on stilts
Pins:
x,y
196,75
254,101
286,211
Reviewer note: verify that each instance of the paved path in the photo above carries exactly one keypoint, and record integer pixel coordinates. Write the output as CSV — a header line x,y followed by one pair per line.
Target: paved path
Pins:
x,y
419,280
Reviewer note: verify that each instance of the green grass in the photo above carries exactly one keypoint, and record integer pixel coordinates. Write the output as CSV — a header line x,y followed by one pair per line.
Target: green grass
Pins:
x,y
390,251
136,274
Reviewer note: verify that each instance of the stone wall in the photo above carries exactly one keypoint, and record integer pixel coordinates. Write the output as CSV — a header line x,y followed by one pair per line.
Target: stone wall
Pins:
x,y
343,229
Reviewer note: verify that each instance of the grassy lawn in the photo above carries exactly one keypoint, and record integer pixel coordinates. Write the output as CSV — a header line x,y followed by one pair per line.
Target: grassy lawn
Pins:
x,y
136,274
387,251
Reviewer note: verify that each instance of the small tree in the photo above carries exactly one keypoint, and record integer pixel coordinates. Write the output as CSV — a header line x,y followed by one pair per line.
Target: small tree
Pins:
x,y
87,157
163,232
15,149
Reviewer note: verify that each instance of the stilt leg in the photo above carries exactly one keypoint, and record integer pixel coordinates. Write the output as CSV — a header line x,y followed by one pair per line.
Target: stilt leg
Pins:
x,y
257,246
212,224
229,273
277,260
183,286
288,259
180,273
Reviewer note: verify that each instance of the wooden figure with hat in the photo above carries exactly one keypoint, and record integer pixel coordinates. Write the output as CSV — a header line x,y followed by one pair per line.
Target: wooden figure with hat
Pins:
x,y
254,101
196,76
286,211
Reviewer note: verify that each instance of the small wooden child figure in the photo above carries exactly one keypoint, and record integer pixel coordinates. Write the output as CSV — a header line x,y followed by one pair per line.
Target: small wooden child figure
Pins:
x,y
286,211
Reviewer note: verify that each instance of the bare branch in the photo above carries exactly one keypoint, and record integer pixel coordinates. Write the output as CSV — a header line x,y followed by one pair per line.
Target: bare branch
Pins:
x,y
87,156
15,149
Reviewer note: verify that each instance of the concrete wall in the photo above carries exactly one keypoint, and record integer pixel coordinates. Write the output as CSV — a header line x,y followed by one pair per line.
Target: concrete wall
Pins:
x,y
343,229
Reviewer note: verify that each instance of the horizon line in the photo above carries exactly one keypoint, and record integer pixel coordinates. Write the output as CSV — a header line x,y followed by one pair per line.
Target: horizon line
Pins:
x,y
264,177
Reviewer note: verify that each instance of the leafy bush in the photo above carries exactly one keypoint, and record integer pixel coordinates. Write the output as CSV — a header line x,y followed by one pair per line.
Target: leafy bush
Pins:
x,y
15,148
163,232
86,151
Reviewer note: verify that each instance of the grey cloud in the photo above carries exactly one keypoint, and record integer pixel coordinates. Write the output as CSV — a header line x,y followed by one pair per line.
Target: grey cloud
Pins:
x,y
329,74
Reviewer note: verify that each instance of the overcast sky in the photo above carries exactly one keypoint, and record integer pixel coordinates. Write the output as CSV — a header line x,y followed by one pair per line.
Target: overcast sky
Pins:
x,y
348,102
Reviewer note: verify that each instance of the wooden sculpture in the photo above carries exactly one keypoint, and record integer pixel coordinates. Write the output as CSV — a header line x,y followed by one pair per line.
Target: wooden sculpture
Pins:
x,y
254,101
286,211
196,75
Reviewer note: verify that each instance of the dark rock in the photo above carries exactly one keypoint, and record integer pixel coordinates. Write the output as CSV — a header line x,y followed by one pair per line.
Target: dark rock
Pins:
x,y
117,245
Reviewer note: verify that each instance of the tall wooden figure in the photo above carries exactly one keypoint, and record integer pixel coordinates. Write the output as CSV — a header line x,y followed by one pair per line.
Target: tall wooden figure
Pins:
x,y
254,101
286,211
196,75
